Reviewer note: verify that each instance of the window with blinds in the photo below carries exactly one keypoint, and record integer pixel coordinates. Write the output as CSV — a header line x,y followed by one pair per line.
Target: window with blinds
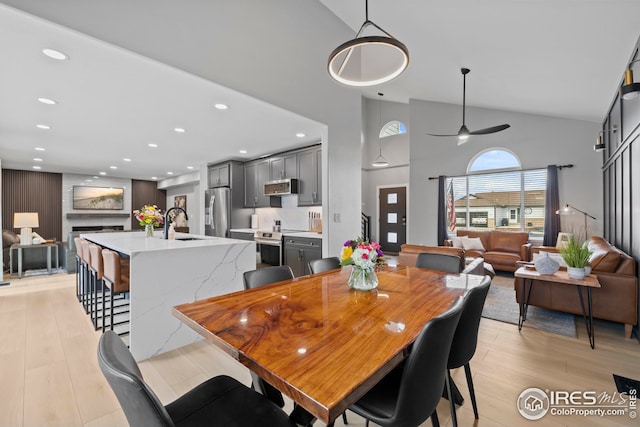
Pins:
x,y
510,200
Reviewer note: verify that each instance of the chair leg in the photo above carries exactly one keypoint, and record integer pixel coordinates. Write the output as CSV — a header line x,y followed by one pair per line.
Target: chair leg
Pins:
x,y
467,371
103,307
434,419
111,311
344,417
452,405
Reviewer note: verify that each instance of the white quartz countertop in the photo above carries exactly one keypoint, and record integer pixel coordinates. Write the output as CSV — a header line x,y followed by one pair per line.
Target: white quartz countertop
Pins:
x,y
293,233
305,234
131,242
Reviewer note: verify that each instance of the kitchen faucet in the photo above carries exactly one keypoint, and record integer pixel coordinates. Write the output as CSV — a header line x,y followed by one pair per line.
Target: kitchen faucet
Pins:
x,y
166,220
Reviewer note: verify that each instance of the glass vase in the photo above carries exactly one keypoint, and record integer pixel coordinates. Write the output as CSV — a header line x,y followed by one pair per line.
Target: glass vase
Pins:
x,y
148,228
363,279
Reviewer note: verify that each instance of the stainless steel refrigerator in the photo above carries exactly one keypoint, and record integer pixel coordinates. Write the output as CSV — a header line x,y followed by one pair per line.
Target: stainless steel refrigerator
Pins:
x,y
224,210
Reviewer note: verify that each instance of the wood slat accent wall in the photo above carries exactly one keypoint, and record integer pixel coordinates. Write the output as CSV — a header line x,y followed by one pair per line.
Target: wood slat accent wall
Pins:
x,y
26,191
146,193
621,161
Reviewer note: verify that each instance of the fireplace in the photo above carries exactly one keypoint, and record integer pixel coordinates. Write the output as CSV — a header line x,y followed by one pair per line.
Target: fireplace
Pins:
x,y
97,228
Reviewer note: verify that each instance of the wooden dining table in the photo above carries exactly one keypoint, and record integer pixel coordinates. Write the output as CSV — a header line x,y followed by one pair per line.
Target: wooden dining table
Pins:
x,y
319,342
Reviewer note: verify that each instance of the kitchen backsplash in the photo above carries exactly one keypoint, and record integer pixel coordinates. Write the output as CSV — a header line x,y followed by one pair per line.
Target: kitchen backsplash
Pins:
x,y
290,215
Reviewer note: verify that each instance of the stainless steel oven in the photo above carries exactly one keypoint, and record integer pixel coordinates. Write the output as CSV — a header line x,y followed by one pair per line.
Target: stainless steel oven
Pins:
x,y
269,246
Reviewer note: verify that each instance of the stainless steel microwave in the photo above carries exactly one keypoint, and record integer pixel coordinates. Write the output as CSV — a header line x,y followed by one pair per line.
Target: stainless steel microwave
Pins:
x,y
281,187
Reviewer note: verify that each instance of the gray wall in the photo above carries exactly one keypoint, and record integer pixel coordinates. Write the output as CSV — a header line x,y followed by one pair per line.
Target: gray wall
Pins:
x,y
273,50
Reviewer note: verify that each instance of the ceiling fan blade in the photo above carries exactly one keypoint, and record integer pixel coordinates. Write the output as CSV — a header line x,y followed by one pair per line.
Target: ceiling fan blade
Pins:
x,y
493,129
433,134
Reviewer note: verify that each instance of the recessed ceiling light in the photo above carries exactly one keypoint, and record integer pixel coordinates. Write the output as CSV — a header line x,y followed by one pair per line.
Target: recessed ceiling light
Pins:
x,y
102,173
126,160
152,145
189,167
243,151
113,167
179,130
37,159
45,127
39,149
154,177
221,106
96,177
47,101
36,167
169,173
300,135
55,54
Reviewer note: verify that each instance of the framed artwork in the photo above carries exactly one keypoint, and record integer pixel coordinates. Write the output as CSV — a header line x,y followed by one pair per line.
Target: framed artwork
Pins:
x,y
180,201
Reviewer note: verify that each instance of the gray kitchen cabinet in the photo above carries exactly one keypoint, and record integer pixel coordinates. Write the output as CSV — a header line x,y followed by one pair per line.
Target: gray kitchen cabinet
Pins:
x,y
256,173
298,251
284,166
310,177
219,175
241,235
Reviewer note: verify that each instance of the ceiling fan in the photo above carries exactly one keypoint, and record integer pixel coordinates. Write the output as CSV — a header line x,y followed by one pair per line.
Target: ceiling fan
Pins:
x,y
464,133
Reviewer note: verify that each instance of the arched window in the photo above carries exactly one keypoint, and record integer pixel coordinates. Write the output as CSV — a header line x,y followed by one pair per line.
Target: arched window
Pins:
x,y
496,194
493,159
394,127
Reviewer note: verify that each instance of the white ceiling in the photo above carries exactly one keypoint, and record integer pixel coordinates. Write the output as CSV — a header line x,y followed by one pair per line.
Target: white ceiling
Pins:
x,y
560,58
552,57
113,103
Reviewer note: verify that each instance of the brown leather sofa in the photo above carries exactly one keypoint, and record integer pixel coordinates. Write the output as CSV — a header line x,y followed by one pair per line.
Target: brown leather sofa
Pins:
x,y
617,298
502,249
409,254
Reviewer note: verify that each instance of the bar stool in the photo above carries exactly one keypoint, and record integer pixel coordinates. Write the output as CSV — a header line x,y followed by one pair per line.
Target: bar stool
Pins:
x,y
96,271
116,278
85,256
79,266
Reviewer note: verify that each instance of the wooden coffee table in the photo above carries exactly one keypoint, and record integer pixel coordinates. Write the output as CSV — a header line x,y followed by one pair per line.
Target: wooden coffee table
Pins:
x,y
560,277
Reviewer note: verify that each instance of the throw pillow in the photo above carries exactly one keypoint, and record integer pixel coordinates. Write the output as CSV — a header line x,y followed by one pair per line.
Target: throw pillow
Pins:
x,y
472,244
456,242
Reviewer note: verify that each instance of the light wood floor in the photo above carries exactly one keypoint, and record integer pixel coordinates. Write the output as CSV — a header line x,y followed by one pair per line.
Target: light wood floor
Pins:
x,y
50,376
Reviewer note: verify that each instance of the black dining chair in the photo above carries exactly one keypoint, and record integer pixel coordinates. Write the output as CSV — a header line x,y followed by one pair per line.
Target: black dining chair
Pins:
x,y
219,401
441,262
409,394
464,343
324,264
264,276
255,279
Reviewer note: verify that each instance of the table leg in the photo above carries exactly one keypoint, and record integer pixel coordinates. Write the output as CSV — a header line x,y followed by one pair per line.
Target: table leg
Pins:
x,y
49,259
588,318
524,302
19,263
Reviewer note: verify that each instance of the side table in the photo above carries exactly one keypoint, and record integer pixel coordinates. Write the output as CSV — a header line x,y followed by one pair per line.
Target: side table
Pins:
x,y
19,248
561,277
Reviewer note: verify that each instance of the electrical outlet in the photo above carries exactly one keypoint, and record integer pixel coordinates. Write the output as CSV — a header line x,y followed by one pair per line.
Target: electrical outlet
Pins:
x,y
336,217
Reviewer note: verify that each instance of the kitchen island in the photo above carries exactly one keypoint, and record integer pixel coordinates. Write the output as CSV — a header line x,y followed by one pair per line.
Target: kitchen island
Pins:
x,y
165,273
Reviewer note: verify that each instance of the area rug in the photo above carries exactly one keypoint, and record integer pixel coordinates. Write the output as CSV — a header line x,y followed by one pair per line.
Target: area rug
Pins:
x,y
501,305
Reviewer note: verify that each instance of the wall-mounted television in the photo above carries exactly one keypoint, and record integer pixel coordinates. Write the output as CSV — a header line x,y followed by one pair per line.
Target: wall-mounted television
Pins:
x,y
98,198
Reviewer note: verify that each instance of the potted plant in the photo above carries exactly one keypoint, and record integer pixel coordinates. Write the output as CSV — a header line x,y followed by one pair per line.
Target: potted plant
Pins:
x,y
576,254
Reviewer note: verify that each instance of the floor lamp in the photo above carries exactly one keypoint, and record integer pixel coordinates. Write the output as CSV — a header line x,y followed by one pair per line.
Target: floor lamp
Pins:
x,y
25,221
571,210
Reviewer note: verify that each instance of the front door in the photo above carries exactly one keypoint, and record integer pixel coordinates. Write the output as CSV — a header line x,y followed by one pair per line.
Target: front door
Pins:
x,y
392,218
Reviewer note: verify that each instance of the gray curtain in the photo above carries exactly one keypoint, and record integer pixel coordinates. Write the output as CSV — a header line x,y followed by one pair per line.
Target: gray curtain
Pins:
x,y
551,206
442,211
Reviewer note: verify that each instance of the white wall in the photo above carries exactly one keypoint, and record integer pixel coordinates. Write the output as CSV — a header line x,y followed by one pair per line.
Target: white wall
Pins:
x,y
537,141
273,50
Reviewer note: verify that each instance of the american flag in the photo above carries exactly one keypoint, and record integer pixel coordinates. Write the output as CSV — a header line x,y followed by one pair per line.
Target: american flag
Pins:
x,y
451,207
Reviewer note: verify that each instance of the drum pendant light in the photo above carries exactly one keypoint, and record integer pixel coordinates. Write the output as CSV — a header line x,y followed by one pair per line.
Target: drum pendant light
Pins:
x,y
368,60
